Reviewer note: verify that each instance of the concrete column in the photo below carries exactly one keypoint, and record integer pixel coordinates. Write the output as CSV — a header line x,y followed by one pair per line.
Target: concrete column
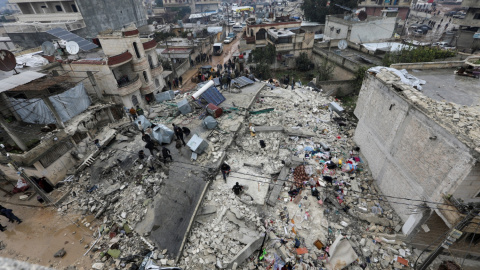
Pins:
x,y
110,115
38,166
33,8
12,135
57,116
10,107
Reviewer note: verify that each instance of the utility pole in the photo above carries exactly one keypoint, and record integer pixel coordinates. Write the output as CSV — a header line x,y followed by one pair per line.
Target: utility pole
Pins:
x,y
13,165
460,226
170,58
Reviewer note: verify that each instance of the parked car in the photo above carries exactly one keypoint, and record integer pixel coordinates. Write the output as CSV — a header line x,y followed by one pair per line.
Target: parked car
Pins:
x,y
228,40
232,35
231,23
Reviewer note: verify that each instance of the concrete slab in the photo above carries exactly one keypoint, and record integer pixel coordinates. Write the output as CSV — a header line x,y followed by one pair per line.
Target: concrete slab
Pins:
x,y
246,252
266,129
256,185
176,205
244,99
277,188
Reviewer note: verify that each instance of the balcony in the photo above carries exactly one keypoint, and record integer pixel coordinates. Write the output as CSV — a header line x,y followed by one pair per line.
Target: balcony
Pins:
x,y
127,86
48,17
157,70
119,59
284,47
149,45
140,64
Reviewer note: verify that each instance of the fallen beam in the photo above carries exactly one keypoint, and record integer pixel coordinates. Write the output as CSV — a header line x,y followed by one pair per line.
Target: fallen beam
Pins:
x,y
266,129
277,187
246,252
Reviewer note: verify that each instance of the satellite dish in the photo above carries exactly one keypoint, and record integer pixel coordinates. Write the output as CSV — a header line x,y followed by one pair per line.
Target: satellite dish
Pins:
x,y
48,48
72,47
362,15
342,44
7,60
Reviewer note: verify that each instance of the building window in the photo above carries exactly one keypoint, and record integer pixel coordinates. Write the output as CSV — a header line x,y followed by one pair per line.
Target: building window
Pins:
x,y
476,16
59,8
137,53
43,6
134,100
74,8
157,83
145,76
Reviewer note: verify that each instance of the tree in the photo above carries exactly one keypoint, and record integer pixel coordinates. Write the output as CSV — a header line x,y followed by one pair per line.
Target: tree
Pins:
x,y
358,79
303,63
262,71
264,55
414,55
325,70
159,3
317,10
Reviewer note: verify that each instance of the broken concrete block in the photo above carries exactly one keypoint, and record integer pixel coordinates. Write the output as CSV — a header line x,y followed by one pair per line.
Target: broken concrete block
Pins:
x,y
98,266
60,253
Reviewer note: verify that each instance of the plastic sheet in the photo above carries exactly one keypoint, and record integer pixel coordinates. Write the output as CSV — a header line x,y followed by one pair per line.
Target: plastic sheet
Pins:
x,y
168,95
403,74
67,104
184,107
144,121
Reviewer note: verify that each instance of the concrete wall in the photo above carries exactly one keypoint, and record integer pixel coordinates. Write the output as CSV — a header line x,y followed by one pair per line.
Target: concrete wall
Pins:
x,y
372,31
337,59
100,15
428,65
332,27
336,88
395,137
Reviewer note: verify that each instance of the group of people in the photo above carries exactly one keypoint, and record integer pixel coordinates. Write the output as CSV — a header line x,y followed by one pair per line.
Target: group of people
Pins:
x,y
201,58
134,113
8,213
179,132
177,82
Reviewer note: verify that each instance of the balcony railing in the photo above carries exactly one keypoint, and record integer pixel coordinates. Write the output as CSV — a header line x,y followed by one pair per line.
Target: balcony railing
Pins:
x,y
125,81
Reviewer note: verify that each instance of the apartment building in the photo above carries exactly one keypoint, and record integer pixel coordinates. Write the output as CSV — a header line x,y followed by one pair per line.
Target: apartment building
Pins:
x,y
85,18
469,32
195,5
394,8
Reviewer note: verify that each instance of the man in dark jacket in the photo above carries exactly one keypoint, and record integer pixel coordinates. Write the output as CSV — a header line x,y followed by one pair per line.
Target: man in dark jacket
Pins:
x,y
179,133
166,154
150,146
225,168
237,189
9,214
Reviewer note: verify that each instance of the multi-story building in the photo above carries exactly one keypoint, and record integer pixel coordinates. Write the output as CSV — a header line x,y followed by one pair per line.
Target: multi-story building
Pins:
x,y
130,74
195,5
373,29
378,7
285,34
469,32
85,18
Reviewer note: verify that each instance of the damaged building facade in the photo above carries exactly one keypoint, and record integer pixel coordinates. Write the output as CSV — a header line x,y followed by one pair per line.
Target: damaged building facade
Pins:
x,y
422,149
49,116
373,29
127,71
85,18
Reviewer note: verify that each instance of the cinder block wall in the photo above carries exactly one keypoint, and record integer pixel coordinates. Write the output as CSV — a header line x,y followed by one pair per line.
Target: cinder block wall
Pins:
x,y
398,142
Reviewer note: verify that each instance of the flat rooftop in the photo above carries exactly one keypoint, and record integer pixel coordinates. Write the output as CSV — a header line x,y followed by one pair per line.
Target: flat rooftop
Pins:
x,y
443,85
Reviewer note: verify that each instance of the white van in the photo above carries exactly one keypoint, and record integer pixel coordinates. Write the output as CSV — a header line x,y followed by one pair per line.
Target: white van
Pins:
x,y
217,48
237,28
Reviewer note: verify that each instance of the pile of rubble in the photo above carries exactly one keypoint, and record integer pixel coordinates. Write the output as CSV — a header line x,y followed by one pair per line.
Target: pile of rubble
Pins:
x,y
343,220
461,119
114,197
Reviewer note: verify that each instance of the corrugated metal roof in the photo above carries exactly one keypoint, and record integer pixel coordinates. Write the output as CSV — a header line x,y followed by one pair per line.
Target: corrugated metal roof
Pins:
x,y
19,79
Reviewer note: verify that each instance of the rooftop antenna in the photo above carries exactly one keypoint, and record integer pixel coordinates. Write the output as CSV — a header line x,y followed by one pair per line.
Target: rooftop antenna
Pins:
x,y
8,61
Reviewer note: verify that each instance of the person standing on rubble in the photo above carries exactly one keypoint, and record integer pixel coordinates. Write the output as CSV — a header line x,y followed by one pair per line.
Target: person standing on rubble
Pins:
x,y
139,110
145,137
133,113
178,133
166,154
150,146
8,213
225,168
237,189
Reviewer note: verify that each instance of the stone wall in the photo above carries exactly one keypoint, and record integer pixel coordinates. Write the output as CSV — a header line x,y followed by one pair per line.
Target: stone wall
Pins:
x,y
409,154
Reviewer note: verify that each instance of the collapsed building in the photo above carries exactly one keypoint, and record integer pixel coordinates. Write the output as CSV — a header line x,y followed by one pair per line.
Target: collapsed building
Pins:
x,y
421,143
279,144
